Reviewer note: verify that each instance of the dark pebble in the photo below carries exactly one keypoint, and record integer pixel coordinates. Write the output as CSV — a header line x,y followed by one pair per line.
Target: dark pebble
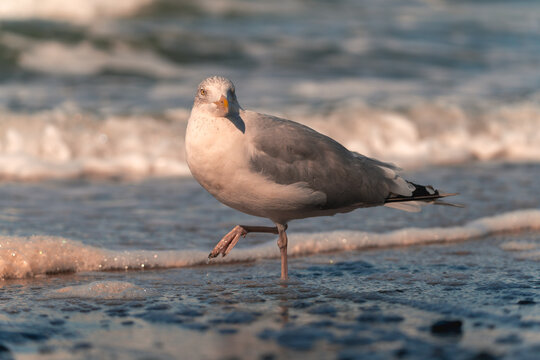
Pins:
x,y
446,327
227,331
128,323
526,302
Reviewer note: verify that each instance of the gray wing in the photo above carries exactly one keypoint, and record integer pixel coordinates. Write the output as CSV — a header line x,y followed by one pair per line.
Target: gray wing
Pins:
x,y
287,153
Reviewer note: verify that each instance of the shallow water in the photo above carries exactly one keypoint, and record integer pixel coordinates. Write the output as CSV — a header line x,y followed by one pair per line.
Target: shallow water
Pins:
x,y
380,304
350,303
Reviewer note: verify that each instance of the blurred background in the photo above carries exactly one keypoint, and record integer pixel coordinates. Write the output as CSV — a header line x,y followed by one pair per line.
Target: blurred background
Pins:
x,y
99,87
99,90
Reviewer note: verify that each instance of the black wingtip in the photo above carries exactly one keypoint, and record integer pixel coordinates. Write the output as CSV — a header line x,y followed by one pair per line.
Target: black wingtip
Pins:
x,y
426,194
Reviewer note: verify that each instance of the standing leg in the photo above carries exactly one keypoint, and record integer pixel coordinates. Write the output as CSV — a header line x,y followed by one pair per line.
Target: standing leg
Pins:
x,y
282,244
225,245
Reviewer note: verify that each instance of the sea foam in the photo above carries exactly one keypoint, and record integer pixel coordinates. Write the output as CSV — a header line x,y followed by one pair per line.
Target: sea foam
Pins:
x,y
31,256
69,10
53,57
71,143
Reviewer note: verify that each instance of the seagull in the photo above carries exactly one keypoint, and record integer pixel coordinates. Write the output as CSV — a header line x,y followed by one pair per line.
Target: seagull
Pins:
x,y
281,170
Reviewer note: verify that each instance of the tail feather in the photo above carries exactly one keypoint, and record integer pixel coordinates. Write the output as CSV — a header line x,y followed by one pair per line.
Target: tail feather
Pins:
x,y
409,206
422,195
439,202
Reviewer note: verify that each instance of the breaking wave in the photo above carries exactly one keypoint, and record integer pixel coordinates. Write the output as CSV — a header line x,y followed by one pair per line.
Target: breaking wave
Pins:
x,y
57,144
69,10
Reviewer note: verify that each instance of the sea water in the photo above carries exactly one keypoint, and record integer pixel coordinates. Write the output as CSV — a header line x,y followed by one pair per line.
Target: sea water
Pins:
x,y
104,235
109,269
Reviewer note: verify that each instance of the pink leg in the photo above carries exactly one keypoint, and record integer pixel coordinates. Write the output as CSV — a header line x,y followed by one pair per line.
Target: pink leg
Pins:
x,y
282,244
226,244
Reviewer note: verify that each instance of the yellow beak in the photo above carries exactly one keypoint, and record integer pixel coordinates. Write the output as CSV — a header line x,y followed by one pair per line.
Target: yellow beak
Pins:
x,y
223,102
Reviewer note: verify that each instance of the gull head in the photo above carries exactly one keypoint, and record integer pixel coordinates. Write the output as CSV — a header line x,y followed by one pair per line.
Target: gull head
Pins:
x,y
216,96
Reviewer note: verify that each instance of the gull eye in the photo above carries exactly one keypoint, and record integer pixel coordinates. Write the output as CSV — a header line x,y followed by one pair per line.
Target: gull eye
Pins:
x,y
202,92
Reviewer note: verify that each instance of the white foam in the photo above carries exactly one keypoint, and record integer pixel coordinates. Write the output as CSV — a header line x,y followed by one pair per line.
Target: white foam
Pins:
x,y
88,10
101,290
527,250
353,240
57,58
519,245
26,257
68,142
433,133
68,9
71,144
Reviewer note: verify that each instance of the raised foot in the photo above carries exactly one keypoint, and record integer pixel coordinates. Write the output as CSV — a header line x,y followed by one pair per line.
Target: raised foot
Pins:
x,y
226,244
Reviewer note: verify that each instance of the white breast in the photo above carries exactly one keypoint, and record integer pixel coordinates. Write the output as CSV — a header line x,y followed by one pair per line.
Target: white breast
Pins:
x,y
214,148
218,157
